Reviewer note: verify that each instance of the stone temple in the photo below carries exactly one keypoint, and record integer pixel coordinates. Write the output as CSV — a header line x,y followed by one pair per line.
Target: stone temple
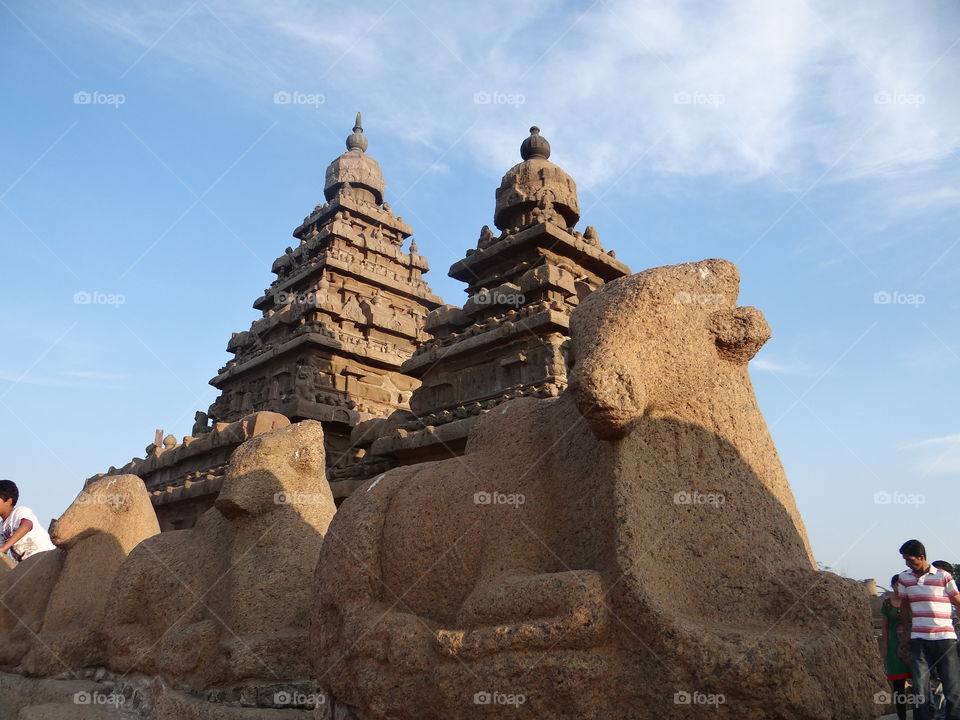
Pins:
x,y
353,337
400,509
509,339
346,310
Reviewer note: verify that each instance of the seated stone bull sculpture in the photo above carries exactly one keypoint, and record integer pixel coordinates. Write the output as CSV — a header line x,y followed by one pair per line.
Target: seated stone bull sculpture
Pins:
x,y
227,600
630,549
52,604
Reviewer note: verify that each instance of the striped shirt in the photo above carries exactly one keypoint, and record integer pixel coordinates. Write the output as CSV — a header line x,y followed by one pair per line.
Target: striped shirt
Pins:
x,y
930,607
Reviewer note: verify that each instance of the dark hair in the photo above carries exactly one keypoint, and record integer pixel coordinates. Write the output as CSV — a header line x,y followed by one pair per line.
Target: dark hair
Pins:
x,y
943,565
913,548
895,579
9,491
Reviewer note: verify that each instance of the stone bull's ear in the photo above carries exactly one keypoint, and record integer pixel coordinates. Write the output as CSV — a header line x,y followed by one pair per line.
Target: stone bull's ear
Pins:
x,y
740,332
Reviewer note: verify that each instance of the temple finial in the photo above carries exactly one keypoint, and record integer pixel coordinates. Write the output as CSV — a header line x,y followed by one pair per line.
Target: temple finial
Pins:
x,y
535,146
357,141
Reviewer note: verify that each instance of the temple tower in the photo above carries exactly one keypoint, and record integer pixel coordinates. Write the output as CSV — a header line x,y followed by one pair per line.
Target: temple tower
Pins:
x,y
345,311
509,338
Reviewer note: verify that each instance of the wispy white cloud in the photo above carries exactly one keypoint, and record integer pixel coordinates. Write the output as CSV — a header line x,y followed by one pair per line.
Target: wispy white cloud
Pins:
x,y
938,456
73,379
742,89
932,198
946,440
781,368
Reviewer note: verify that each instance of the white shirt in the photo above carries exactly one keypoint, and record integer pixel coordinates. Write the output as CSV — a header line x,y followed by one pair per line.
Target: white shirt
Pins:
x,y
930,607
33,542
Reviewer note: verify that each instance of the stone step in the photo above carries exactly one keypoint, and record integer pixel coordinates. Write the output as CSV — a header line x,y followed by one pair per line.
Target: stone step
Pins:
x,y
173,705
74,711
18,692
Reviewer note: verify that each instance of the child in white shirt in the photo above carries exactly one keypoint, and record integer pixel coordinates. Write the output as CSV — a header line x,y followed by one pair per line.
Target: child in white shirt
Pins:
x,y
23,535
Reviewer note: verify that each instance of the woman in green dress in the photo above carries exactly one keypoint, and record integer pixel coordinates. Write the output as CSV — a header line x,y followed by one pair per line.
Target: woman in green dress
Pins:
x,y
898,669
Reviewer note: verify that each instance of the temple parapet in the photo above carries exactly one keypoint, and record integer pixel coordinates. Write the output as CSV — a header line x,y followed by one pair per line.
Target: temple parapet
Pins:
x,y
183,478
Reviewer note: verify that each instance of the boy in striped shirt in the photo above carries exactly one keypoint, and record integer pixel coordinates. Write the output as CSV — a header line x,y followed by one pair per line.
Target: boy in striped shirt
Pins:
x,y
929,593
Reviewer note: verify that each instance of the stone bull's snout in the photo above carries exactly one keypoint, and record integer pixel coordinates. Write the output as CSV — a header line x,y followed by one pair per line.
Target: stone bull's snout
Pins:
x,y
55,531
609,397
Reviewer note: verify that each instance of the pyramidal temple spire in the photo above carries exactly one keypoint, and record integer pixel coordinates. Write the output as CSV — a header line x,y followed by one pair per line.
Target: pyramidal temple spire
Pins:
x,y
357,141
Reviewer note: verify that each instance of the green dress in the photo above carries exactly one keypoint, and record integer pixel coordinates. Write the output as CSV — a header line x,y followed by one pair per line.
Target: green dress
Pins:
x,y
896,668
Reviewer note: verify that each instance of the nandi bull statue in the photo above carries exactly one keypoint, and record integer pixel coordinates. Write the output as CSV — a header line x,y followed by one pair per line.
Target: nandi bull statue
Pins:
x,y
227,600
52,604
630,549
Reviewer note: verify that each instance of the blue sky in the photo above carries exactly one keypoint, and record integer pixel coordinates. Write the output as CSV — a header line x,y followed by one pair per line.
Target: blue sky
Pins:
x,y
148,163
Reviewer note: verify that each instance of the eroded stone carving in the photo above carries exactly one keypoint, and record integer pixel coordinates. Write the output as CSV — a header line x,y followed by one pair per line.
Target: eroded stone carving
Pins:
x,y
228,599
566,557
183,480
344,313
52,615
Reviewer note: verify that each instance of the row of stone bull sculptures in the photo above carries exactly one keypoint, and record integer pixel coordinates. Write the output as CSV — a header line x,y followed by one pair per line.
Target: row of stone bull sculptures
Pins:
x,y
630,549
